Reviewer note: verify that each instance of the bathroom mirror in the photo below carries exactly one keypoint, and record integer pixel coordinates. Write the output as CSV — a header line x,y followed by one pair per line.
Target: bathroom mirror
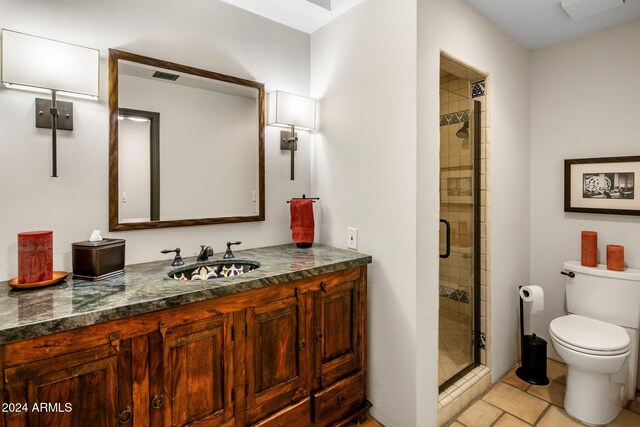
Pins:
x,y
186,145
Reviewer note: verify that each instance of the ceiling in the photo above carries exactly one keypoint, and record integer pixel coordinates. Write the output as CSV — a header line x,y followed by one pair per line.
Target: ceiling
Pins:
x,y
533,23
303,15
539,23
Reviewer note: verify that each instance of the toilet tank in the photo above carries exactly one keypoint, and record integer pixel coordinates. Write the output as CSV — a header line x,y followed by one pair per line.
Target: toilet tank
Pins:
x,y
607,295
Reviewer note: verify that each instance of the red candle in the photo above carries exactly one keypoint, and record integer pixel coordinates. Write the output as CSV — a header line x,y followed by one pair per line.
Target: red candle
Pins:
x,y
35,256
589,248
615,257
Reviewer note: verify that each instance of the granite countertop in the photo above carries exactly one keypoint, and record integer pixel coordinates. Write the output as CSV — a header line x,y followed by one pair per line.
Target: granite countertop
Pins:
x,y
146,287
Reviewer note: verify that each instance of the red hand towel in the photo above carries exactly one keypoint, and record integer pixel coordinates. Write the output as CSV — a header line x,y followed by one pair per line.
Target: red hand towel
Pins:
x,y
302,224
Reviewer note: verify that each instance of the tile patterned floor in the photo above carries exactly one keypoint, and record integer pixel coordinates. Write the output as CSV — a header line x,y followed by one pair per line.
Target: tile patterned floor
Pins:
x,y
454,349
514,403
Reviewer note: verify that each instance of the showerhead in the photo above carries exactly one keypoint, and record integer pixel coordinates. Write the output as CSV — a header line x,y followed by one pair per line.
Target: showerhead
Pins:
x,y
463,132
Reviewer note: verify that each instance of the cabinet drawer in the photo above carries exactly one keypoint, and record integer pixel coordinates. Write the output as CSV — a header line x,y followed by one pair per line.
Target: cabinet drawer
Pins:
x,y
338,400
298,414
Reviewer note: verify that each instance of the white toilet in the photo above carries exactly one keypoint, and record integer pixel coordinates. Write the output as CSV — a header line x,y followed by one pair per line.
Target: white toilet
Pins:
x,y
598,340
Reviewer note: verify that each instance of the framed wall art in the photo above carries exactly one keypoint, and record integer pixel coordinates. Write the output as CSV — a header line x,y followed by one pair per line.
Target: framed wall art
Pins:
x,y
604,185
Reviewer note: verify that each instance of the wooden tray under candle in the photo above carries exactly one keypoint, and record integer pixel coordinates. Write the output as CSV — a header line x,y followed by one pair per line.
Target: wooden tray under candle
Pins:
x,y
58,276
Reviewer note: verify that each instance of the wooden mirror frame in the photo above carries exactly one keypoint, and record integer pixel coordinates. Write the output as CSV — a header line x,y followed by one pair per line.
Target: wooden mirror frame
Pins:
x,y
114,224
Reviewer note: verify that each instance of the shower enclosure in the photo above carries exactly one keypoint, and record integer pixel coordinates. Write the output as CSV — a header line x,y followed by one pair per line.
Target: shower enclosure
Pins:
x,y
459,272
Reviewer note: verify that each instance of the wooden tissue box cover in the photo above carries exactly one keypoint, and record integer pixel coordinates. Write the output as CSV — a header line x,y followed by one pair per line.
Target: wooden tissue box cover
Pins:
x,y
98,260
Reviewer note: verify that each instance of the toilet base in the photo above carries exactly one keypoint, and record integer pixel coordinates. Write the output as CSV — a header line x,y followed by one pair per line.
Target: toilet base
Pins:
x,y
592,397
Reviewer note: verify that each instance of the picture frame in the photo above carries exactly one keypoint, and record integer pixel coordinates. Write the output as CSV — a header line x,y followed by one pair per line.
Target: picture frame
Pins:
x,y
602,185
456,186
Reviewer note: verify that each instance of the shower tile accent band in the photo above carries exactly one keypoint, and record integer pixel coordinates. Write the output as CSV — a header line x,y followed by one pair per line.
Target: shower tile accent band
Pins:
x,y
453,118
454,294
478,88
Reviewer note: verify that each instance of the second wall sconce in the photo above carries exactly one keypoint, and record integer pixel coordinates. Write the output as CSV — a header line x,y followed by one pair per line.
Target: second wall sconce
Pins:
x,y
286,109
42,65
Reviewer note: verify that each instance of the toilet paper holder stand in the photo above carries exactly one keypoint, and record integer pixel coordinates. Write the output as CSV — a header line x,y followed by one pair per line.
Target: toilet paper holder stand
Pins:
x,y
533,354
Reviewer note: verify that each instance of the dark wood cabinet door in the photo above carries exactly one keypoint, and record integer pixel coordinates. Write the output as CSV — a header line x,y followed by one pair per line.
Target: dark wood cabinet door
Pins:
x,y
77,389
337,319
276,357
195,381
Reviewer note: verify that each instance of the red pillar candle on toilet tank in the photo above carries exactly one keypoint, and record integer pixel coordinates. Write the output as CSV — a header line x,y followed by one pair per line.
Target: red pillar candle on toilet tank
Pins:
x,y
615,257
589,249
35,256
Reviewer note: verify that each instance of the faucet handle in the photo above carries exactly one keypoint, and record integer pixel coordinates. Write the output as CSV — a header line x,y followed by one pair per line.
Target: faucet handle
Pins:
x,y
177,261
229,254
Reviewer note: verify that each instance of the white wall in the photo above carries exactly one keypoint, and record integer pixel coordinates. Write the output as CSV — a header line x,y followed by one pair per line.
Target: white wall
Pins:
x,y
363,68
208,34
584,103
458,29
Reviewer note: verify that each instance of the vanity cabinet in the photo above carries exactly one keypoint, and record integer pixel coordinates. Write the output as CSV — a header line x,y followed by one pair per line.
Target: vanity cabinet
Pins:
x,y
285,354
338,332
87,387
276,357
74,378
193,374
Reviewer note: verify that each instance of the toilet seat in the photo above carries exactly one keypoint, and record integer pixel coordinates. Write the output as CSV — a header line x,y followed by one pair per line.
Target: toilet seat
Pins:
x,y
587,351
589,336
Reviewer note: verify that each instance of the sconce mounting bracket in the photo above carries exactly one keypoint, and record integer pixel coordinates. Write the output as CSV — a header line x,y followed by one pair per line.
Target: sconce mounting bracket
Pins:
x,y
286,141
43,117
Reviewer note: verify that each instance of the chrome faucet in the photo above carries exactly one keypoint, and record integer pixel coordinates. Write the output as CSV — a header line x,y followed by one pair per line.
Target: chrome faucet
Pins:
x,y
205,253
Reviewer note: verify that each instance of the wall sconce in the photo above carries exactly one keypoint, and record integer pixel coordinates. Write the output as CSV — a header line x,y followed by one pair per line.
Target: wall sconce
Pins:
x,y
42,65
286,109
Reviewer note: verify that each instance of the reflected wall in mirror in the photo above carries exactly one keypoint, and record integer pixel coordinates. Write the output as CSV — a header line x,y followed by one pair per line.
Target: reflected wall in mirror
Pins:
x,y
186,145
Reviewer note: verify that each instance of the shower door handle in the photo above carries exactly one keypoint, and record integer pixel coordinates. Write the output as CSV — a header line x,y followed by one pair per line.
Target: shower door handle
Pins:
x,y
448,231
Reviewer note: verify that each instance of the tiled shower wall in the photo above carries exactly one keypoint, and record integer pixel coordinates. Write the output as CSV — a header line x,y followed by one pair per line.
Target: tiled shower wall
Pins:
x,y
454,154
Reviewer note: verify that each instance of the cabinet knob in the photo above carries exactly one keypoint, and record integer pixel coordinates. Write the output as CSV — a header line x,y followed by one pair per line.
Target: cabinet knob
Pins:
x,y
319,336
341,400
157,401
301,345
125,415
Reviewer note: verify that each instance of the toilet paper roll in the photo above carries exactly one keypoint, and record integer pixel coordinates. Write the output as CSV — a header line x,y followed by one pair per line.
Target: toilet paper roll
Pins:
x,y
535,295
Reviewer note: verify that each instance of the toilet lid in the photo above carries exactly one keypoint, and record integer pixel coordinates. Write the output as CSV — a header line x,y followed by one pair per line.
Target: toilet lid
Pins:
x,y
590,334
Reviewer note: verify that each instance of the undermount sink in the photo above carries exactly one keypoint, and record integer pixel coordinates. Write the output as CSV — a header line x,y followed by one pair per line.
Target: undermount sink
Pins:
x,y
213,269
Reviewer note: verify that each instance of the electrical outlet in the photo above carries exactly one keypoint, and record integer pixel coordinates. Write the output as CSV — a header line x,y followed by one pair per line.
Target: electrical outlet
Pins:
x,y
254,196
124,197
352,238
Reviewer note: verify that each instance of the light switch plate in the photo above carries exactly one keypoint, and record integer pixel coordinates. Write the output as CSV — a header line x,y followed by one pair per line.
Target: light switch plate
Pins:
x,y
352,238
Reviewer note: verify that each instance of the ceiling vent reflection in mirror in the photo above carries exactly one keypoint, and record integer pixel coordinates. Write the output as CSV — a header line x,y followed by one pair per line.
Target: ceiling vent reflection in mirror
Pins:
x,y
165,76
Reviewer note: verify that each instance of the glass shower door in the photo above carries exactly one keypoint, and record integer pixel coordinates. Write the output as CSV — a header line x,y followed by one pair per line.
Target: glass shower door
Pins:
x,y
459,231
